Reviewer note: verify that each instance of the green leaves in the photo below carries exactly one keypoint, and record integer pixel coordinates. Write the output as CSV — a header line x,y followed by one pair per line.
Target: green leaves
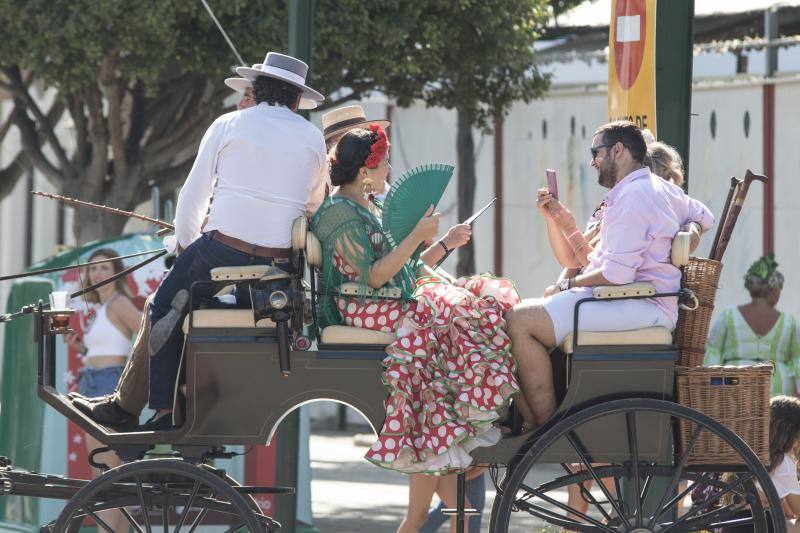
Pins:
x,y
65,41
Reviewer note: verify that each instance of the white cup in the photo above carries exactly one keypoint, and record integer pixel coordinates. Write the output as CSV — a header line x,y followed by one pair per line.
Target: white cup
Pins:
x,y
58,299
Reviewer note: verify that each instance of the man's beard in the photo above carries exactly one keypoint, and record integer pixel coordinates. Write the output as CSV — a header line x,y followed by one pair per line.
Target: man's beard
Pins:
x,y
607,175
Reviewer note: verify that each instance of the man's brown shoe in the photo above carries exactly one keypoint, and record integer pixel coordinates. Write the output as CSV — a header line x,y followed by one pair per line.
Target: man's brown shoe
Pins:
x,y
107,413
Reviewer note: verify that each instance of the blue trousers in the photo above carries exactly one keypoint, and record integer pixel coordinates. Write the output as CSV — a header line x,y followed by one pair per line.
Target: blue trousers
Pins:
x,y
476,495
193,264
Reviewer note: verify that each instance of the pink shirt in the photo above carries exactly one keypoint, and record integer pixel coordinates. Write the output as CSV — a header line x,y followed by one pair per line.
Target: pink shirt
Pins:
x,y
643,213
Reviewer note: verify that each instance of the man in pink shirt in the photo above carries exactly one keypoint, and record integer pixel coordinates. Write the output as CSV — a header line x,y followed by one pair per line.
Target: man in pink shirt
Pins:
x,y
642,215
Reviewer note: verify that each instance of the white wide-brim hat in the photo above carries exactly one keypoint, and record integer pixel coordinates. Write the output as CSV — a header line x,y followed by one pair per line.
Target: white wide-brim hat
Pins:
x,y
288,69
238,84
241,84
343,119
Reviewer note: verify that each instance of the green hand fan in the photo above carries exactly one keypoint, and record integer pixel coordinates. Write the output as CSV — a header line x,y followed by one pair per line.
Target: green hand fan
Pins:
x,y
409,198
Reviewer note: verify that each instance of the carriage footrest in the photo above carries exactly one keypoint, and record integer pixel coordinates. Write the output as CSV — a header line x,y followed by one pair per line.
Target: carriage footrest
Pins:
x,y
467,512
252,489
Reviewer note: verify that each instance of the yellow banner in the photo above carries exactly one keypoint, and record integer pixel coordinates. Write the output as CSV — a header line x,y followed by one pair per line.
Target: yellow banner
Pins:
x,y
631,62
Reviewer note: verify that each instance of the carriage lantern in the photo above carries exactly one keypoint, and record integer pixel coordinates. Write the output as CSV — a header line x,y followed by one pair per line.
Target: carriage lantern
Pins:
x,y
59,313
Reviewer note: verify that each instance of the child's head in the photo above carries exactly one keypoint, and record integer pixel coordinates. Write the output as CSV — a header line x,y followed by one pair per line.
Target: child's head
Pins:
x,y
784,428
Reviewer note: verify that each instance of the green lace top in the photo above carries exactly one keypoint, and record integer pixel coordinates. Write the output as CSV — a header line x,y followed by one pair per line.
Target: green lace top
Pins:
x,y
350,233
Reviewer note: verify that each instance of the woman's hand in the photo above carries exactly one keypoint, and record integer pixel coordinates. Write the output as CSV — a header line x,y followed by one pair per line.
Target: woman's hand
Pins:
x,y
75,342
457,236
560,214
428,226
543,198
551,290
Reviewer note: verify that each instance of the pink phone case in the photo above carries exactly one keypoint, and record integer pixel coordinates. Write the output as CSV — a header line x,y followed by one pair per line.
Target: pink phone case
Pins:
x,y
552,184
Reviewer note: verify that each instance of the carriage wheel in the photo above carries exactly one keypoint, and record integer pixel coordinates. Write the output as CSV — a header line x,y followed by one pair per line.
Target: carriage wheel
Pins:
x,y
161,495
267,523
644,494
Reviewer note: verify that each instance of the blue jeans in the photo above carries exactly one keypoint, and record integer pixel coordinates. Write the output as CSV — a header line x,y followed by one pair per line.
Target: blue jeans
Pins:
x,y
95,382
475,491
193,264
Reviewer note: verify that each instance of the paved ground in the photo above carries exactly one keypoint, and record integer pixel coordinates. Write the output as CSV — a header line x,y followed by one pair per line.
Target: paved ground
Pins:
x,y
350,495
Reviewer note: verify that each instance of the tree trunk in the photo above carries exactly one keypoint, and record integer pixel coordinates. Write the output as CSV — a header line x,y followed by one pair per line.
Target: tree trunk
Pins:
x,y
465,148
92,224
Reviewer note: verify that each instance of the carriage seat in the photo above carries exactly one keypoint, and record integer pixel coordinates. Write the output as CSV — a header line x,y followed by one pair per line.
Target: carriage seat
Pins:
x,y
235,318
225,318
679,257
304,239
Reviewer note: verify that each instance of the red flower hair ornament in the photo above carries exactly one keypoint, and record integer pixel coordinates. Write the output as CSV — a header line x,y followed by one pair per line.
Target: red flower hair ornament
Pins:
x,y
378,148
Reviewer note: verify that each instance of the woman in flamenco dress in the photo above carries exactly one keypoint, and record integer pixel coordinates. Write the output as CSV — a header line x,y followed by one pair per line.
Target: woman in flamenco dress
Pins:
x,y
449,373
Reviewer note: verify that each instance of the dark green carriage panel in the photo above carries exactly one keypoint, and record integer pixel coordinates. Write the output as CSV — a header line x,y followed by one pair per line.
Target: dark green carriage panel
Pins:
x,y
596,374
237,394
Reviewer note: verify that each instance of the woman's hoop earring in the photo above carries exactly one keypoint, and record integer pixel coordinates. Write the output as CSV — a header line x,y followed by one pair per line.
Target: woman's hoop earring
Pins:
x,y
368,191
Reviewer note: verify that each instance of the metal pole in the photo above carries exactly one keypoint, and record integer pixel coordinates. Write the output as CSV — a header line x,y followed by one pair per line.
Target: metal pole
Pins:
x,y
770,34
768,97
498,192
674,54
301,26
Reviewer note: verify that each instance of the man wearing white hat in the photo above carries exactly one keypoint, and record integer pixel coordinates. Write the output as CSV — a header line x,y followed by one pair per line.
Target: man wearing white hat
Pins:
x,y
121,409
244,87
270,168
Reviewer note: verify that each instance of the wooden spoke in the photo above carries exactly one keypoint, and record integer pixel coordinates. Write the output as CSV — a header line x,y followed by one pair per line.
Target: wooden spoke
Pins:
x,y
188,507
573,441
673,483
143,503
563,507
130,520
633,446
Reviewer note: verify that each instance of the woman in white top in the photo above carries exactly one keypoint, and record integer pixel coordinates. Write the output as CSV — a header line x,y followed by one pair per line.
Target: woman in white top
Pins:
x,y
106,346
784,448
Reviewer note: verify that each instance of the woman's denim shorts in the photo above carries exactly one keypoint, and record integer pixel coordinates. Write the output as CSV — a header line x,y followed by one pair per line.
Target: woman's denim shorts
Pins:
x,y
94,382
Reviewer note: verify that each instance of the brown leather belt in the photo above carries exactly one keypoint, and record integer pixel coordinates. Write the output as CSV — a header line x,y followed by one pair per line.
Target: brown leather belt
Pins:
x,y
247,248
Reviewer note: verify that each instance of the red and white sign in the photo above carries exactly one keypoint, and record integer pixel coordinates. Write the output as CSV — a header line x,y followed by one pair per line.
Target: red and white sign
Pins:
x,y
631,76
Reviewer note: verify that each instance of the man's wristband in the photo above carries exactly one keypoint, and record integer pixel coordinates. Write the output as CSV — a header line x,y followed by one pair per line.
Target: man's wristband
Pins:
x,y
443,245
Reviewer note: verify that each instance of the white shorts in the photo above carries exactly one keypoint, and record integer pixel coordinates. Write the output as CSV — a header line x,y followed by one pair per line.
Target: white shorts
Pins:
x,y
619,315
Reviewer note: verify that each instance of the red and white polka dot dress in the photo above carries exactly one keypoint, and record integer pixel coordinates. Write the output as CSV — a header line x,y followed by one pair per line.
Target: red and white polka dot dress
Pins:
x,y
448,373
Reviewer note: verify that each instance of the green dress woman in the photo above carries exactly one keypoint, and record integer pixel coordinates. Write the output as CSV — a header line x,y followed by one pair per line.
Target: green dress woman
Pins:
x,y
757,332
450,370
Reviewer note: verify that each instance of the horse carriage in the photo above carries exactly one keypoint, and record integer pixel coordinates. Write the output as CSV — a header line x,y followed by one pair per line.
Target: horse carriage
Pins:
x,y
613,437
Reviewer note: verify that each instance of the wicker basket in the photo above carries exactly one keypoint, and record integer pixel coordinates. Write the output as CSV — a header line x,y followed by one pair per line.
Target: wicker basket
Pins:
x,y
738,397
702,277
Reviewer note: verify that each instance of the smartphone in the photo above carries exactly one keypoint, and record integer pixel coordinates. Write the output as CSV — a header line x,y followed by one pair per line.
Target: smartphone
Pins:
x,y
552,184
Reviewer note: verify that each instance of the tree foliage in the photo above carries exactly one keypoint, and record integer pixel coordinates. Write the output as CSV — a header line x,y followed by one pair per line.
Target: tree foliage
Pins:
x,y
478,58
140,80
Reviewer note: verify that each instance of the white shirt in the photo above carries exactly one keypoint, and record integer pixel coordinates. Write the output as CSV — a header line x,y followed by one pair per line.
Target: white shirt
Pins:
x,y
271,167
784,477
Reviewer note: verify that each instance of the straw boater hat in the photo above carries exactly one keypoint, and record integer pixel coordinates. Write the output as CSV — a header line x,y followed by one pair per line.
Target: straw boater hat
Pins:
x,y
240,84
288,69
340,121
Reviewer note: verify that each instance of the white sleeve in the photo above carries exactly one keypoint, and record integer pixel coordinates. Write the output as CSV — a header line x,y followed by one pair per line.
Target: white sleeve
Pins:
x,y
195,194
320,183
784,477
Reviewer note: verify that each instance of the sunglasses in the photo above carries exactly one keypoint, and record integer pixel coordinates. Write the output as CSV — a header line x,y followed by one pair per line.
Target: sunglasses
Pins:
x,y
596,149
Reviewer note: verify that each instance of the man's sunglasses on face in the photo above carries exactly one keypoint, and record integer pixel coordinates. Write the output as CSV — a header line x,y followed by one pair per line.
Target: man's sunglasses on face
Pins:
x,y
596,149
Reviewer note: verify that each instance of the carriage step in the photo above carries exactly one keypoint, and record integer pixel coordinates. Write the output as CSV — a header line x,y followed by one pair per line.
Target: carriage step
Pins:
x,y
251,489
467,512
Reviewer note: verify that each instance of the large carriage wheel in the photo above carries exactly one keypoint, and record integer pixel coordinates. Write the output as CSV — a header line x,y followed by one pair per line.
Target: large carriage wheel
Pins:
x,y
162,495
644,494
